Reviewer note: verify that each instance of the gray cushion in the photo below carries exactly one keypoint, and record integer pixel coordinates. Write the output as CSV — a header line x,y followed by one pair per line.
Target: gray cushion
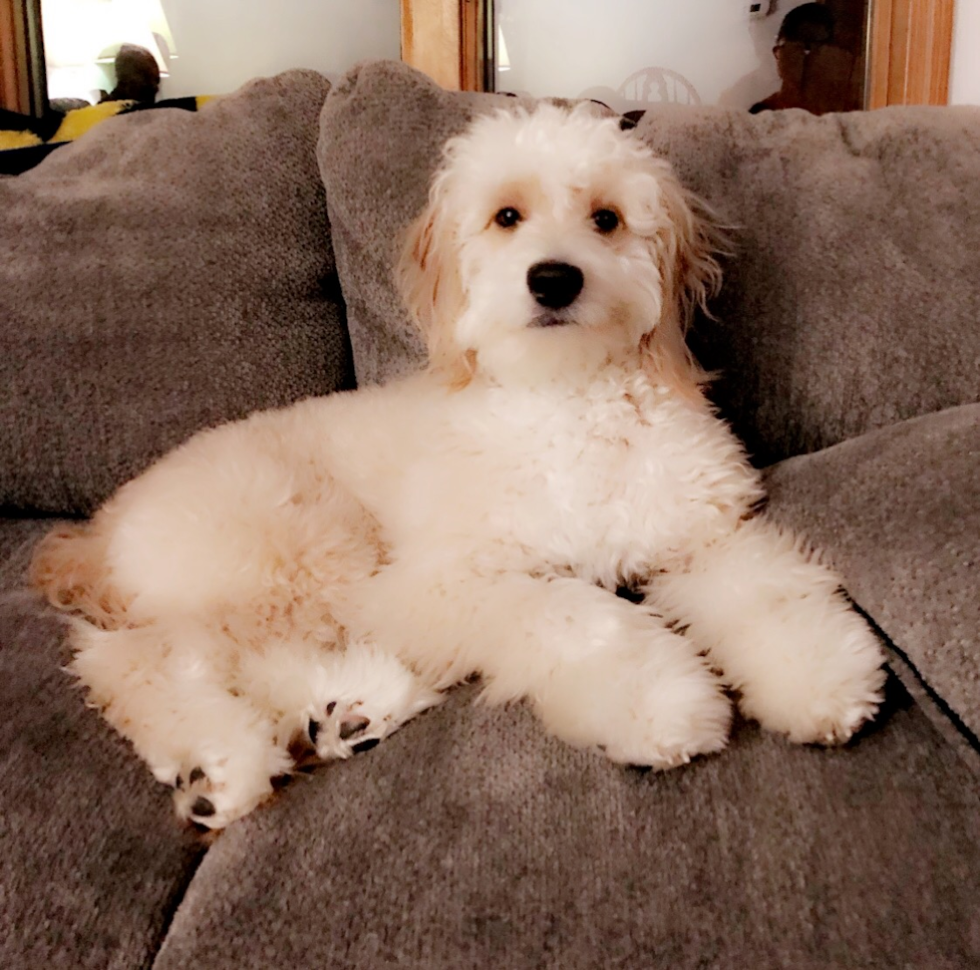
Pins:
x,y
92,861
381,134
853,298
898,512
166,272
852,301
470,840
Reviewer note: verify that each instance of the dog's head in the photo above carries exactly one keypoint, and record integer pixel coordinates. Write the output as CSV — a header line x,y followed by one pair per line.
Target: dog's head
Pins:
x,y
552,243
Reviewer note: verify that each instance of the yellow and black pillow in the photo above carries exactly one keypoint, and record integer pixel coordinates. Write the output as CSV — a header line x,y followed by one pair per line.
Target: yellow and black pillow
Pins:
x,y
25,141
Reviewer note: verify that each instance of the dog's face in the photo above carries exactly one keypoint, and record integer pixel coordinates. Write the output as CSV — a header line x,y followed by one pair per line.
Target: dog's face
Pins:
x,y
554,242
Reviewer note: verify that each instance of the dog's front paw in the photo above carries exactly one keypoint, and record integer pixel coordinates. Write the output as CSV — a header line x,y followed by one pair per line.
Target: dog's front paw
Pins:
x,y
656,730
651,709
829,689
832,713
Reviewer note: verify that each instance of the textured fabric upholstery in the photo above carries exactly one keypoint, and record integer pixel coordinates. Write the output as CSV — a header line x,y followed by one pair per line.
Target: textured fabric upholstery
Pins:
x,y
167,272
898,512
92,864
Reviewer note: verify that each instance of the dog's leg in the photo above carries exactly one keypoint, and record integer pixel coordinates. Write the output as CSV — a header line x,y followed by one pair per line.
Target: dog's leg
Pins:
x,y
164,691
774,619
599,671
334,703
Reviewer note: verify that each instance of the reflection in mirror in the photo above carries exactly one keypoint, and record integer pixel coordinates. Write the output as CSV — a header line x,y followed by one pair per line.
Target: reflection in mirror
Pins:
x,y
738,53
205,48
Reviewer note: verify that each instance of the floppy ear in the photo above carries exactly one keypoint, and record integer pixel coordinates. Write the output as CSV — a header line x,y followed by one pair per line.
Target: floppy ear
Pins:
x,y
429,280
685,248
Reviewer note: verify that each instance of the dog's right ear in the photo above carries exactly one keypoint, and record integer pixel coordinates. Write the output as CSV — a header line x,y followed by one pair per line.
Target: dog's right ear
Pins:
x,y
431,286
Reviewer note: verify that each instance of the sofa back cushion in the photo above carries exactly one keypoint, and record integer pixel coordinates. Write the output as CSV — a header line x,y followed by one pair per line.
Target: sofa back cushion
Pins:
x,y
853,296
167,272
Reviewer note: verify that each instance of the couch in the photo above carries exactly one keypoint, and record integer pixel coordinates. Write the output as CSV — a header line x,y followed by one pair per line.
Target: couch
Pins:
x,y
172,270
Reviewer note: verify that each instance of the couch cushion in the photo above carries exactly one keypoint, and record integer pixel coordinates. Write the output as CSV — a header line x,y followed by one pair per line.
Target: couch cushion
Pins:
x,y
898,512
852,300
380,140
471,840
166,272
853,297
92,861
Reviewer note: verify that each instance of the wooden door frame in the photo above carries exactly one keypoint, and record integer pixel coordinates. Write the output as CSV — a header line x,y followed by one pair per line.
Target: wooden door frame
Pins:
x,y
23,78
910,44
909,47
446,39
14,90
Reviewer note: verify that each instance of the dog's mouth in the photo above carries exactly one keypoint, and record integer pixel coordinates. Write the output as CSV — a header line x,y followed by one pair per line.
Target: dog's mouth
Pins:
x,y
544,320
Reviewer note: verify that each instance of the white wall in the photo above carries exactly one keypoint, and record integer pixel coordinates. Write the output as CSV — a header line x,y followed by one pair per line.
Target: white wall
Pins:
x,y
222,43
564,48
964,82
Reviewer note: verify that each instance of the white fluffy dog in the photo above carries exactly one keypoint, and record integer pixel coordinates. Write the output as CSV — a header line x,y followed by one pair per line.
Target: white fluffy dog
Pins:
x,y
317,575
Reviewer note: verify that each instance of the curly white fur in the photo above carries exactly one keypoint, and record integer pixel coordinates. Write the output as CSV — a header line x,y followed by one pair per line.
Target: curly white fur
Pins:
x,y
315,576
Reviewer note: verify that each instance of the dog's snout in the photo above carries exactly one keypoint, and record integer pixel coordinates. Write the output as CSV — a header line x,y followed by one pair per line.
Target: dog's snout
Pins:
x,y
554,285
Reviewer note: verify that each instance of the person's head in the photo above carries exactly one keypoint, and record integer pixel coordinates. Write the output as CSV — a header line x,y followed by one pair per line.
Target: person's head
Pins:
x,y
809,25
137,75
803,29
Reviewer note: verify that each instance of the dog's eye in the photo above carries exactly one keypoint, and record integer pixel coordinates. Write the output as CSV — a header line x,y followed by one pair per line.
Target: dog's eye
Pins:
x,y
605,220
507,218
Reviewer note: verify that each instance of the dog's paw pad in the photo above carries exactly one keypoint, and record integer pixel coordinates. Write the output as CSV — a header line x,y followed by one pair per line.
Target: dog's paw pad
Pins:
x,y
211,796
342,730
192,789
202,807
352,725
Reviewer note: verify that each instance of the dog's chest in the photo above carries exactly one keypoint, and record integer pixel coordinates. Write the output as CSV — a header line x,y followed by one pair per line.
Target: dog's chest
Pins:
x,y
599,482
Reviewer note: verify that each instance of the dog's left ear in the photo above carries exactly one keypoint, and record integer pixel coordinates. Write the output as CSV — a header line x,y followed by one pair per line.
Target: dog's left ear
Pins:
x,y
429,280
685,248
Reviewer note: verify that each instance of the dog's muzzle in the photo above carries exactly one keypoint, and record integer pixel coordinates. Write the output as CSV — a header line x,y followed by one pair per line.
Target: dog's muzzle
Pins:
x,y
555,285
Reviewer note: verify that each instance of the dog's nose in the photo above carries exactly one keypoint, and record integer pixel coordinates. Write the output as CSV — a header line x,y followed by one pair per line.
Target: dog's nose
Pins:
x,y
554,285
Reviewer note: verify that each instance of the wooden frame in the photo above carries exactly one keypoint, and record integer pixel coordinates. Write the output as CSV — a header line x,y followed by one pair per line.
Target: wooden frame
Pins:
x,y
909,51
23,79
447,39
909,47
431,39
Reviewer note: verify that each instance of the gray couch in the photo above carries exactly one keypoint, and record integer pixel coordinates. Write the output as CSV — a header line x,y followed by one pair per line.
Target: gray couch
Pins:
x,y
173,270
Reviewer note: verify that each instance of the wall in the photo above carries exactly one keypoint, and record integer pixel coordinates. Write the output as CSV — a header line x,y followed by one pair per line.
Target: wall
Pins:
x,y
222,43
964,86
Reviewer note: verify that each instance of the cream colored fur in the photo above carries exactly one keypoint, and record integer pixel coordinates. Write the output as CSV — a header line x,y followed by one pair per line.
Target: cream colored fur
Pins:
x,y
314,577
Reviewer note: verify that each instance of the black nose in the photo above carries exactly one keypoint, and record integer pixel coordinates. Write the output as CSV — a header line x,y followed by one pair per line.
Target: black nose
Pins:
x,y
554,285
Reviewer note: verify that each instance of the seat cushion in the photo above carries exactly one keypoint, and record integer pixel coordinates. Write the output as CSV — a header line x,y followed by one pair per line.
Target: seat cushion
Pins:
x,y
470,840
898,513
92,862
852,298
166,272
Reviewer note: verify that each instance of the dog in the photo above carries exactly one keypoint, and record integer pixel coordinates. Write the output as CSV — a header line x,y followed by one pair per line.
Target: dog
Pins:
x,y
309,579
